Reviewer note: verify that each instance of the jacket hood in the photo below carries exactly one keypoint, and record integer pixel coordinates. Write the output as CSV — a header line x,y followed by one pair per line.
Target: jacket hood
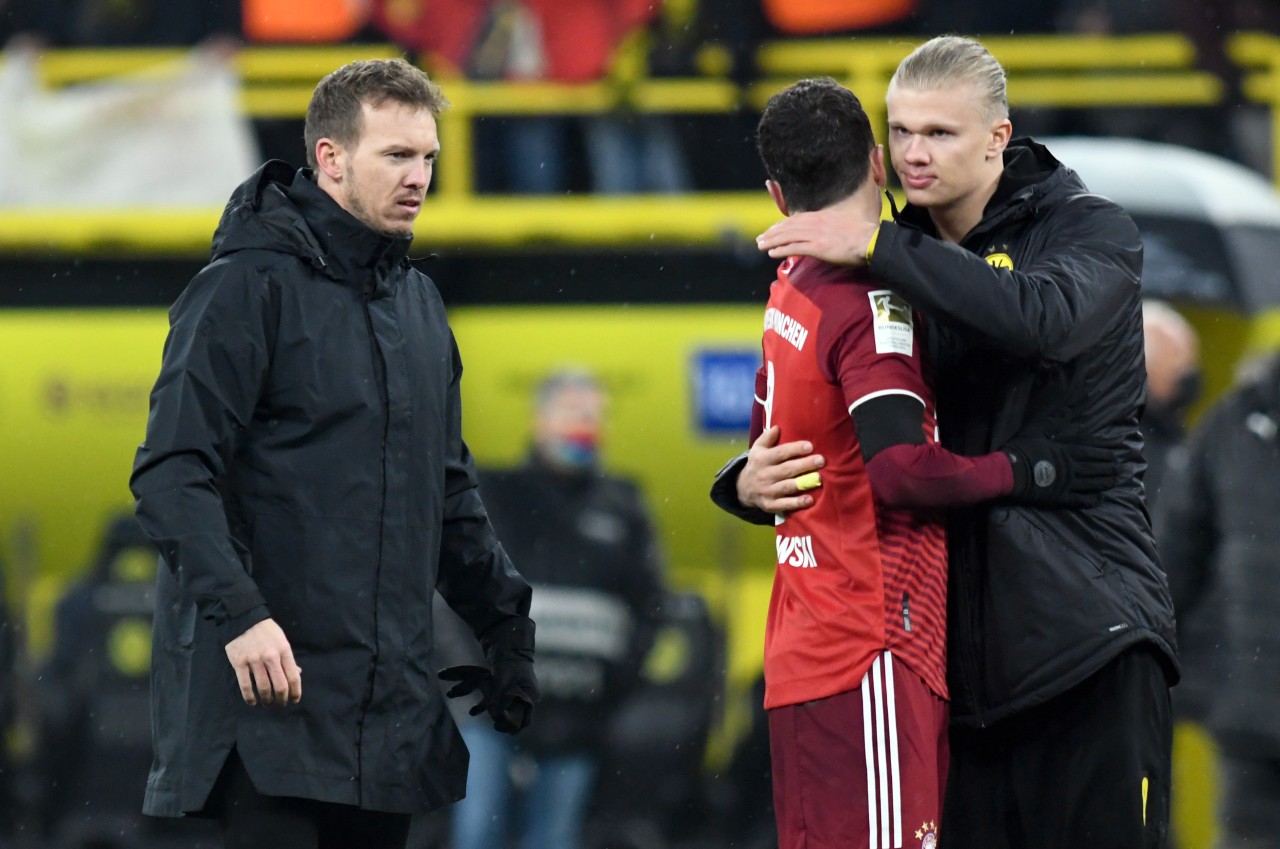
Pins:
x,y
1030,173
283,210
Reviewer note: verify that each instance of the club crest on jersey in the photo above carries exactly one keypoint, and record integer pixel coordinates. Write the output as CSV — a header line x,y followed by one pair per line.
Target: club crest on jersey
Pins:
x,y
1000,260
796,551
893,321
927,834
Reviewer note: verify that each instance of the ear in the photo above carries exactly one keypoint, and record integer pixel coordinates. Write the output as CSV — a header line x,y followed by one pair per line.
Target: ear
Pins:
x,y
775,192
877,166
330,159
1001,132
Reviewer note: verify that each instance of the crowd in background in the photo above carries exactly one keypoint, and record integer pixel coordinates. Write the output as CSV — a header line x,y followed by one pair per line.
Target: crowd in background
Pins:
x,y
585,40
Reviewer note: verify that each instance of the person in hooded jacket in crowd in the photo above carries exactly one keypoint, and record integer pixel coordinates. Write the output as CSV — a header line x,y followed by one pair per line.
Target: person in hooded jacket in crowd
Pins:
x,y
305,479
585,542
1172,351
1216,523
1060,626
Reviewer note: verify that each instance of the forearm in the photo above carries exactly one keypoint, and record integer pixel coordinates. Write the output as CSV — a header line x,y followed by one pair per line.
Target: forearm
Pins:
x,y
477,578
925,475
181,511
1053,311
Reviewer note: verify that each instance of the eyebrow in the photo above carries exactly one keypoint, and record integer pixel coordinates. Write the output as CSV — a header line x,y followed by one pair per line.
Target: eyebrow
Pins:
x,y
929,126
395,147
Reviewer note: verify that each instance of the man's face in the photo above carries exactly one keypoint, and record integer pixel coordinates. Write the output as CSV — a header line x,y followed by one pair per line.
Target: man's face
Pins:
x,y
568,426
386,172
941,143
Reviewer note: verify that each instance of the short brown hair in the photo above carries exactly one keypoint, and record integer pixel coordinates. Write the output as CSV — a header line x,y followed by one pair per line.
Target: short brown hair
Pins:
x,y
336,105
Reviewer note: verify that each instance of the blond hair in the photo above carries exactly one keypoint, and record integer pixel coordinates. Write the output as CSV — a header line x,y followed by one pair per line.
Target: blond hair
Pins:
x,y
948,60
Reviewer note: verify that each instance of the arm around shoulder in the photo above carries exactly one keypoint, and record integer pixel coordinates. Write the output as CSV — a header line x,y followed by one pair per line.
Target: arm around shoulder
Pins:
x,y
1085,265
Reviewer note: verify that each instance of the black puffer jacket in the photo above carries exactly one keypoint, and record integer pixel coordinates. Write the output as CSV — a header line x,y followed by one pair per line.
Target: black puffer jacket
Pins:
x,y
304,460
1219,523
1038,323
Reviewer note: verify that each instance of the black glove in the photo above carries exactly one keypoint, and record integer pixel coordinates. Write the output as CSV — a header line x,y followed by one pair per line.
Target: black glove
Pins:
x,y
510,690
1060,474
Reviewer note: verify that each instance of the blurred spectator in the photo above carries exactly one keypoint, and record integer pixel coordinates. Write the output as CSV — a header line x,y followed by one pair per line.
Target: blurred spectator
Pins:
x,y
115,23
1209,26
1174,383
583,539
1236,128
1173,125
568,41
745,797
830,17
991,17
1115,17
95,737
8,710
1217,529
302,21
652,789
17,17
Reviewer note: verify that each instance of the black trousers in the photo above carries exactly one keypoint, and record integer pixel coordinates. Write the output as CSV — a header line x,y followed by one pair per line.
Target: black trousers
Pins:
x,y
249,820
1089,769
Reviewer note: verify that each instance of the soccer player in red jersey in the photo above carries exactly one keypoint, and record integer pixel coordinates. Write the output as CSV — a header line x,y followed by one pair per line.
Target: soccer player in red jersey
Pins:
x,y
855,644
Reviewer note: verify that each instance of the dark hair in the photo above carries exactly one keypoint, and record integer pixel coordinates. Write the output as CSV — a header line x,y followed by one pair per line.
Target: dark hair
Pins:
x,y
815,141
336,105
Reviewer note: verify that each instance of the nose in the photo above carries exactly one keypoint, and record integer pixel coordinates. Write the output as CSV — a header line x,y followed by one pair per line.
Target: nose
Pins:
x,y
915,150
418,176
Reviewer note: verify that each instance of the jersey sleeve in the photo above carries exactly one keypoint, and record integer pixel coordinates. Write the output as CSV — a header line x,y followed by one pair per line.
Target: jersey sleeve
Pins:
x,y
867,343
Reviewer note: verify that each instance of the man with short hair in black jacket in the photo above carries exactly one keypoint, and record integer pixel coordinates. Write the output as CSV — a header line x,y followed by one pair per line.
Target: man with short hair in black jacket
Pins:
x,y
305,479
1061,641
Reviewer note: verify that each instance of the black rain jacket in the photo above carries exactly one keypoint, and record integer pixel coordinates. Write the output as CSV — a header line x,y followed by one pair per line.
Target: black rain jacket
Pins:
x,y
1218,523
304,461
1047,336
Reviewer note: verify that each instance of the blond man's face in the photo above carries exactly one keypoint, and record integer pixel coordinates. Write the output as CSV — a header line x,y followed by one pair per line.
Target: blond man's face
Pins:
x,y
940,139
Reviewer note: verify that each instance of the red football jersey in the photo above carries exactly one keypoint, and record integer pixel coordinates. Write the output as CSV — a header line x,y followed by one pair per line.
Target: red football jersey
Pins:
x,y
854,577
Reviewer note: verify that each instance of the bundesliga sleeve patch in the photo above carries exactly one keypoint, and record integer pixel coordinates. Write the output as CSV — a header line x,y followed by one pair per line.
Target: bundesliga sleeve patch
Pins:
x,y
891,317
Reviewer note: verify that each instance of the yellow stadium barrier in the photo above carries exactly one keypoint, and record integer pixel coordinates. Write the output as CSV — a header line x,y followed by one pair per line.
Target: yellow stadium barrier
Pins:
x,y
1048,71
1258,54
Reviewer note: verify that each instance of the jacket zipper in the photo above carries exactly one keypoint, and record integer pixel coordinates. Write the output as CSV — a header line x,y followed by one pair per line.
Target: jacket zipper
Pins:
x,y
380,373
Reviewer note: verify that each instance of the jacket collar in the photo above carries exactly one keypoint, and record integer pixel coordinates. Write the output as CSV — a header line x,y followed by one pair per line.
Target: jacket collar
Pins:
x,y
1030,173
1262,389
350,251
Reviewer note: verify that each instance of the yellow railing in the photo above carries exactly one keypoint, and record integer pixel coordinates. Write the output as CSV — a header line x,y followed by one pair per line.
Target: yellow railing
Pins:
x,y
1259,55
1147,70
1051,71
